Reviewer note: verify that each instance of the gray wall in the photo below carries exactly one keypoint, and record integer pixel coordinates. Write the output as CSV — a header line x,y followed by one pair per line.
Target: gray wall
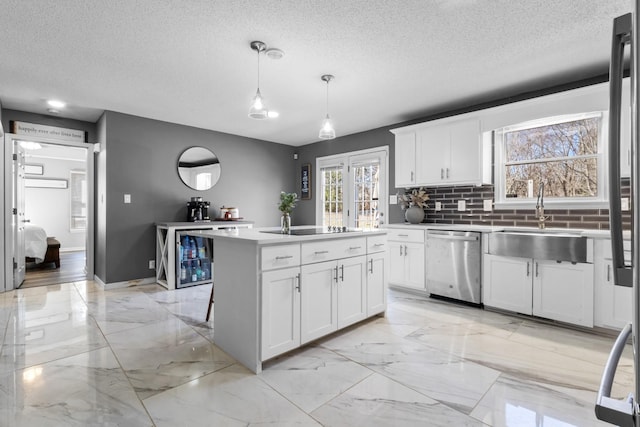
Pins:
x,y
140,158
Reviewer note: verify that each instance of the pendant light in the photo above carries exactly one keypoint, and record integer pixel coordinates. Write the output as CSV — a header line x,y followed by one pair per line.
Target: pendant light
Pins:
x,y
327,131
258,110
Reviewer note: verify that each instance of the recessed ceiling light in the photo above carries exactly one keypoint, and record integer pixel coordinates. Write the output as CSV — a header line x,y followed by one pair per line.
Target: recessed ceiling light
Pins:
x,y
56,104
274,53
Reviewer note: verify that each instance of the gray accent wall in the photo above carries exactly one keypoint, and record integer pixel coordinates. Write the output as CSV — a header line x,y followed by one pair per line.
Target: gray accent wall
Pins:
x,y
139,157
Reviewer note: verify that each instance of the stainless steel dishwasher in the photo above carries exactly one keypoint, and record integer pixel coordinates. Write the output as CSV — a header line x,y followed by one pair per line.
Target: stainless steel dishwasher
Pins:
x,y
453,265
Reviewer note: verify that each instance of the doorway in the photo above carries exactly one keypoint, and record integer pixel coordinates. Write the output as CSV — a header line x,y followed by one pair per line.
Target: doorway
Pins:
x,y
49,185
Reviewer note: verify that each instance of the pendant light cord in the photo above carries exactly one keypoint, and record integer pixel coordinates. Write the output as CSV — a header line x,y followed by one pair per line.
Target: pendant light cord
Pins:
x,y
258,51
327,97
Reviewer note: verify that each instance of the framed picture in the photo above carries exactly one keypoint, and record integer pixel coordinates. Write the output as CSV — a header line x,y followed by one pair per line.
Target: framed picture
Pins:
x,y
305,182
33,169
45,183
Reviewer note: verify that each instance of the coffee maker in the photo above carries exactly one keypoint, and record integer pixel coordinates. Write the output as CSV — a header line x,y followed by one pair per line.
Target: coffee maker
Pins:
x,y
198,210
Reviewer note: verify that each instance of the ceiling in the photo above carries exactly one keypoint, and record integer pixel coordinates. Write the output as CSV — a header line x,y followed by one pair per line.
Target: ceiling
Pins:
x,y
189,62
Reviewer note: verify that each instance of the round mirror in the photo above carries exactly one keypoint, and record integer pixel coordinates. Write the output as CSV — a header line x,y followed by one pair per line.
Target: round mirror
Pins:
x,y
199,168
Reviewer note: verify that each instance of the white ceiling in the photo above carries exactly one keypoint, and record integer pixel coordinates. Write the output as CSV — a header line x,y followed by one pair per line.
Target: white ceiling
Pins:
x,y
189,61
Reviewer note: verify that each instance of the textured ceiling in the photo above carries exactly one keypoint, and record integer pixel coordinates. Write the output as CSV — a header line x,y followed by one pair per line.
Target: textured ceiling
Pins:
x,y
189,61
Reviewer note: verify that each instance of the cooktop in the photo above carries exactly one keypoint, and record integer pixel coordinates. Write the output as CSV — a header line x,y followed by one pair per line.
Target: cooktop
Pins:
x,y
316,230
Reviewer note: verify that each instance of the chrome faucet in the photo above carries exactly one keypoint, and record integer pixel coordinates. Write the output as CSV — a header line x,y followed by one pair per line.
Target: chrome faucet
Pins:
x,y
540,207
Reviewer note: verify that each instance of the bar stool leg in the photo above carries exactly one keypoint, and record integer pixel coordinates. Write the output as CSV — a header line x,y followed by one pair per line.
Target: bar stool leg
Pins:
x,y
210,303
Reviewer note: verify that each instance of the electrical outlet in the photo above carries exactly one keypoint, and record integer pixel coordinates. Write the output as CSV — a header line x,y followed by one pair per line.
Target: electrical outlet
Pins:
x,y
152,264
127,198
462,205
487,205
438,206
624,203
393,199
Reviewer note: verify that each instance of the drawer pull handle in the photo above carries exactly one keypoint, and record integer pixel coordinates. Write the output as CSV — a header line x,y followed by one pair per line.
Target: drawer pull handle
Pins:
x,y
378,245
353,248
284,257
403,235
321,252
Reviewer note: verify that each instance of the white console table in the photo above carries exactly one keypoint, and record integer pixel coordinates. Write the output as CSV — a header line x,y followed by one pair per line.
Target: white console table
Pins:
x,y
166,245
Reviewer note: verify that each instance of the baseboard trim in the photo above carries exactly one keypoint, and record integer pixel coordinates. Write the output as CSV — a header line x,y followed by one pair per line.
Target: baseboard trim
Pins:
x,y
125,284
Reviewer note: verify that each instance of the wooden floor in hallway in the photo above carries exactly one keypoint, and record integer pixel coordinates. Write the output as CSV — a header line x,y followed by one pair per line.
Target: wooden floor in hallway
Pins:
x,y
71,270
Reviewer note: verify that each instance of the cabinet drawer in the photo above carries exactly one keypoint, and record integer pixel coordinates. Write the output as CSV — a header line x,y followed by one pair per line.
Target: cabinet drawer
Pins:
x,y
402,235
333,249
376,244
279,256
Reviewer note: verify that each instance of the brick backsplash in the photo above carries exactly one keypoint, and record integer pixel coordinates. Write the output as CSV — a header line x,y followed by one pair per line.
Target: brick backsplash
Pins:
x,y
597,219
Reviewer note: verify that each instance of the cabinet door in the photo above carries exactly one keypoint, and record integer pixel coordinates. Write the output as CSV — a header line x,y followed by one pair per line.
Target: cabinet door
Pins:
x,y
465,149
563,291
507,283
405,151
280,312
414,266
615,304
352,290
396,263
432,155
318,315
377,271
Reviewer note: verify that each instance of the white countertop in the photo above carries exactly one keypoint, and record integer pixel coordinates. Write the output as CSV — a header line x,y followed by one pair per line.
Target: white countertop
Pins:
x,y
202,224
596,234
259,237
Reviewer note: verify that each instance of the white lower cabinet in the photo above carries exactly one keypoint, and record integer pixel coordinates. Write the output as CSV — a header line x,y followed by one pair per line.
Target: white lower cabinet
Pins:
x,y
377,274
613,305
280,311
407,265
563,291
507,283
301,304
560,291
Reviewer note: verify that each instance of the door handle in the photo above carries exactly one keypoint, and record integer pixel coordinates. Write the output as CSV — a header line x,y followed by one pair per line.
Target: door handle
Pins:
x,y
353,248
608,272
411,176
405,250
447,173
26,220
298,282
536,269
371,266
441,173
400,250
320,252
342,272
335,270
527,268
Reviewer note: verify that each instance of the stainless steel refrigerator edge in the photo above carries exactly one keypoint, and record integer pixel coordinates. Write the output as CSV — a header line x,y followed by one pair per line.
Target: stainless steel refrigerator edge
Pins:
x,y
625,33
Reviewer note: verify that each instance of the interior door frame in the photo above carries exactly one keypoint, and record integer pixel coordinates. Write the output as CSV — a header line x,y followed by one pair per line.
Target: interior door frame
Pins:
x,y
345,160
6,266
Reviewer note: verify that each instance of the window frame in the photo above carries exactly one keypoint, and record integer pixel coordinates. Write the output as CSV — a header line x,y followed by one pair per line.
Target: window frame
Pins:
x,y
83,173
600,201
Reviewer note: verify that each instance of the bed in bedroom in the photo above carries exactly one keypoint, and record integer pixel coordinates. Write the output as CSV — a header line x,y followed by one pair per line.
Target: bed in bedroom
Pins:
x,y
39,248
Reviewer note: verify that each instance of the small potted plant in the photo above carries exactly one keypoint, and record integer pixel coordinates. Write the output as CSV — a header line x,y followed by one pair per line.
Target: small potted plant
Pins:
x,y
414,203
287,203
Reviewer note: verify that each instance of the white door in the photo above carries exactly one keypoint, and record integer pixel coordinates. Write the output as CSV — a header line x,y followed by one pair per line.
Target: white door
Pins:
x,y
414,265
405,159
507,283
377,271
396,263
432,155
352,189
280,312
352,291
19,219
465,139
318,315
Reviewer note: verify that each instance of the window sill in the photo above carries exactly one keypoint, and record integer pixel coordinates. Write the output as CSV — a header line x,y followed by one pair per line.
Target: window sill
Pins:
x,y
530,204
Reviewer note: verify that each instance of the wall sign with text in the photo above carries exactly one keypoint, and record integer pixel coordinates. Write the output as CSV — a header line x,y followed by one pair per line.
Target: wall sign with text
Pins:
x,y
305,182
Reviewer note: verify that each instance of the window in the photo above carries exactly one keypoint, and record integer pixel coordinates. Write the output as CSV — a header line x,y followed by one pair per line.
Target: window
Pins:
x,y
78,186
565,153
352,189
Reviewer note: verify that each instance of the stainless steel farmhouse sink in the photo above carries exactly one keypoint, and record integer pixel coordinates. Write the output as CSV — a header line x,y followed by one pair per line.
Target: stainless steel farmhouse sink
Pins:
x,y
558,246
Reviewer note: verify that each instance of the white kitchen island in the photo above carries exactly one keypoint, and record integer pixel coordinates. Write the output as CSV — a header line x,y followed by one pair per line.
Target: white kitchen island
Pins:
x,y
275,293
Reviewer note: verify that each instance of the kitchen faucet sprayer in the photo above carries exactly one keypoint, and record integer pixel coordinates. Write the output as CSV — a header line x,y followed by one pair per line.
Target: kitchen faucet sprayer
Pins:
x,y
540,207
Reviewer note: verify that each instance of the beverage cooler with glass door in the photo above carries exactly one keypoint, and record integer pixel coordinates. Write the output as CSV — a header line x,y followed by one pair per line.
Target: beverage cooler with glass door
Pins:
x,y
194,259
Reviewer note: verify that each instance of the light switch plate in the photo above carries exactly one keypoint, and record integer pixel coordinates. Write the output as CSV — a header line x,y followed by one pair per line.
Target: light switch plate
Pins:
x,y
127,198
462,205
393,199
624,203
438,206
487,205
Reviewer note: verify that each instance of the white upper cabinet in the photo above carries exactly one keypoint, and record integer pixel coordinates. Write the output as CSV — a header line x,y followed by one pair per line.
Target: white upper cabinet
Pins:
x,y
406,159
443,154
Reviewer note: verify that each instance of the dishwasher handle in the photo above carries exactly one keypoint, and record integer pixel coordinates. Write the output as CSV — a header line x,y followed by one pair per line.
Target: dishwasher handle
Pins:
x,y
473,238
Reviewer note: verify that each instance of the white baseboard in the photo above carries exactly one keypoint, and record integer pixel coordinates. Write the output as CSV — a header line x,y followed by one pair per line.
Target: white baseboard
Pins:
x,y
125,284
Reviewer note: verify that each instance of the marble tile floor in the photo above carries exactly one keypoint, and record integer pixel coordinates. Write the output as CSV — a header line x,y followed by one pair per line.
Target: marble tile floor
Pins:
x,y
76,355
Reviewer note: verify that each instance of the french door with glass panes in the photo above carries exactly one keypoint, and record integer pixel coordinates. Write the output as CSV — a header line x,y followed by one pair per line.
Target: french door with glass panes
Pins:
x,y
352,189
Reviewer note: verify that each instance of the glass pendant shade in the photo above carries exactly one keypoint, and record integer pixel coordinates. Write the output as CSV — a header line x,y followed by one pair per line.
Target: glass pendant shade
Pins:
x,y
257,110
327,131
